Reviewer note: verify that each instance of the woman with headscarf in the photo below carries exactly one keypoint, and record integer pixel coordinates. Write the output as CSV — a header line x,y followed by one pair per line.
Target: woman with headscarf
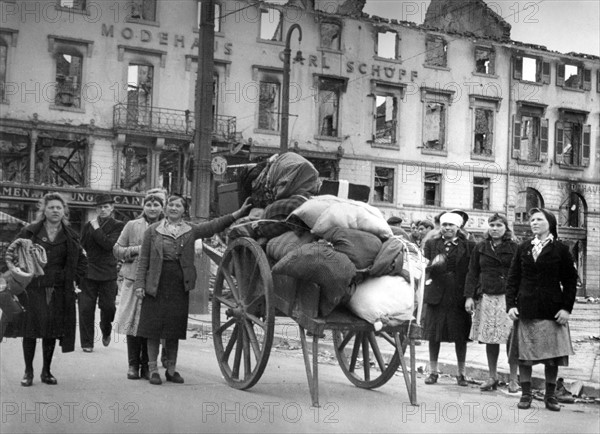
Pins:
x,y
446,320
127,249
540,293
485,290
49,300
166,274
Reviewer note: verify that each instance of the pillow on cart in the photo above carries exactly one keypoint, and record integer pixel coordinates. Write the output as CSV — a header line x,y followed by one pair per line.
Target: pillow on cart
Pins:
x,y
317,262
280,246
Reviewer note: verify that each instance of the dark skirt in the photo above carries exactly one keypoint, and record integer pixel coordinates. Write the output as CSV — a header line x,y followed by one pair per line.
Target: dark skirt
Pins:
x,y
44,315
447,321
166,315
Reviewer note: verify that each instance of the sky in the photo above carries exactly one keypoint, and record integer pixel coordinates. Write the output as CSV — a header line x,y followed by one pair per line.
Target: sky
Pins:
x,y
560,25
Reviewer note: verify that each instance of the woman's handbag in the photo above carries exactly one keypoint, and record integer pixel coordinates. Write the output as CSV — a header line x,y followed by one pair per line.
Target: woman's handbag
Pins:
x,y
10,305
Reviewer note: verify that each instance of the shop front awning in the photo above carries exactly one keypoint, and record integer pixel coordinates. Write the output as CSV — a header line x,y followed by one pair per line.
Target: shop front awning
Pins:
x,y
7,218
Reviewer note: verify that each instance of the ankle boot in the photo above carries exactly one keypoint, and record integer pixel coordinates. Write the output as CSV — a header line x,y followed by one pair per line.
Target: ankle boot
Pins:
x,y
526,397
153,371
27,379
172,375
550,398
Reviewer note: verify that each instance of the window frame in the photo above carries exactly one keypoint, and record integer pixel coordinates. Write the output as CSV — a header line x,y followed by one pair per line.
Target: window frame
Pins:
x,y
386,89
542,73
440,96
77,10
583,150
339,42
430,39
131,18
397,57
383,200
278,29
267,74
530,110
342,83
437,201
488,103
82,48
584,76
492,56
485,185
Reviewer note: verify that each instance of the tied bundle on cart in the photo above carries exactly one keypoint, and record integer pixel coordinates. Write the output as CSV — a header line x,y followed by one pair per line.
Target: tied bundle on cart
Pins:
x,y
327,261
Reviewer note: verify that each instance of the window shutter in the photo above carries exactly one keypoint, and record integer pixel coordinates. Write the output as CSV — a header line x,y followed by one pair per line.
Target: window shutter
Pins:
x,y
518,68
546,72
559,139
560,75
587,79
544,140
492,62
585,154
516,137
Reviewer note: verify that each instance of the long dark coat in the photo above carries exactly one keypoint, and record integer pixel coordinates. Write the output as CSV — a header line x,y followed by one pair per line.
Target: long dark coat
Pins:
x,y
535,287
446,319
74,271
489,268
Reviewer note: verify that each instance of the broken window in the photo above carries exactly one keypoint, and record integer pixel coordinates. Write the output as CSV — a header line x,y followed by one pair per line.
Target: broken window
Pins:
x,y
436,50
134,168
3,64
268,106
529,68
78,5
484,60
387,45
572,141
329,106
217,15
526,200
434,125
14,164
433,189
139,94
68,80
331,35
572,211
484,132
573,76
271,23
143,10
384,185
481,193
530,134
386,119
60,162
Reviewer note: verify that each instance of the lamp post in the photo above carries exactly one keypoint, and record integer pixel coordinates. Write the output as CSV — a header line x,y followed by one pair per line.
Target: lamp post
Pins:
x,y
285,109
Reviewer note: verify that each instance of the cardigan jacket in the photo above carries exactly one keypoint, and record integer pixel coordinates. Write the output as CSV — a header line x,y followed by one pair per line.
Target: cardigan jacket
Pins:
x,y
539,289
151,255
489,268
128,246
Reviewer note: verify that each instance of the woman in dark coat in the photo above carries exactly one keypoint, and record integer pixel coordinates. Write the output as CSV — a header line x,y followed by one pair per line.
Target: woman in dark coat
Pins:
x,y
485,290
446,320
49,300
165,275
540,293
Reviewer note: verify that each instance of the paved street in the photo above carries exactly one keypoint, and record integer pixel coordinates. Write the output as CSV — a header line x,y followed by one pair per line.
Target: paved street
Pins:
x,y
93,395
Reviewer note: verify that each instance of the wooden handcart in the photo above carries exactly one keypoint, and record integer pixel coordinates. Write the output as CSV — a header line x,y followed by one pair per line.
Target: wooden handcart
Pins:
x,y
246,300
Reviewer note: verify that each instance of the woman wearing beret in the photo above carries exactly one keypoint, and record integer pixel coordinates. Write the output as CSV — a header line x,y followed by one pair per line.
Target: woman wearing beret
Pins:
x,y
166,274
127,249
486,282
447,321
540,293
49,300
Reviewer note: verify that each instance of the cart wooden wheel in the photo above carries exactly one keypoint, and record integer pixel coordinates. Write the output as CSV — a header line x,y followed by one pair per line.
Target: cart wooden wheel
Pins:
x,y
367,358
243,314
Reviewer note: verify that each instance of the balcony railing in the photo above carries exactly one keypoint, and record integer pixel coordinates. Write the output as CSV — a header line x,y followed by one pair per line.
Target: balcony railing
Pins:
x,y
163,120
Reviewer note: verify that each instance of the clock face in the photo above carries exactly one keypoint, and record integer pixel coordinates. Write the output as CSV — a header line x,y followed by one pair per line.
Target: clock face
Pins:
x,y
218,165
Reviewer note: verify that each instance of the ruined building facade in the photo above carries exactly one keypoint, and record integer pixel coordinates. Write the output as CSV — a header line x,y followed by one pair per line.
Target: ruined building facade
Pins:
x,y
99,96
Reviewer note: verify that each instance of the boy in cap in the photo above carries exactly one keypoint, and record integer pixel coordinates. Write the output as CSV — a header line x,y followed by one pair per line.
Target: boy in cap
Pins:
x,y
100,284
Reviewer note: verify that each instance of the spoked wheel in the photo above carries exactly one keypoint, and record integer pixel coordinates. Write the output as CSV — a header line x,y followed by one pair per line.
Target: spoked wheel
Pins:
x,y
243,313
367,358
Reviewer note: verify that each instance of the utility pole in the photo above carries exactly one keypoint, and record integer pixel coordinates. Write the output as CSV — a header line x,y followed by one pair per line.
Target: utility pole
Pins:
x,y
203,114
200,207
285,97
